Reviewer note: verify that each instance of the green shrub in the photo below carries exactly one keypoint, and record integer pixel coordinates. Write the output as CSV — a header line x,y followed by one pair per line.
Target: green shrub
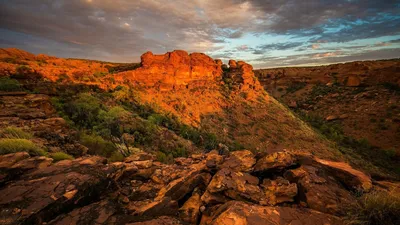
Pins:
x,y
116,157
97,145
210,141
162,157
8,84
14,132
375,208
58,156
320,89
100,74
84,110
293,87
20,145
392,87
109,122
180,152
62,77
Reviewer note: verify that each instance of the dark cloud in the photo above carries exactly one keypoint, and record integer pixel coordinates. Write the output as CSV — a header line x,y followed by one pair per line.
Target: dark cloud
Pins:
x,y
280,46
324,58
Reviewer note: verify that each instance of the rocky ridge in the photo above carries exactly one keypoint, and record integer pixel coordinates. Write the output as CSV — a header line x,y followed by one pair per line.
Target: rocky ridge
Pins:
x,y
279,188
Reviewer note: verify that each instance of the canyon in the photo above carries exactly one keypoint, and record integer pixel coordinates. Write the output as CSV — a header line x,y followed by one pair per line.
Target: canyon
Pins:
x,y
184,139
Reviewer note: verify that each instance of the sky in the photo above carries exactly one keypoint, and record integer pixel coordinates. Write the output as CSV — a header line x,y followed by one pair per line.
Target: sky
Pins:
x,y
265,33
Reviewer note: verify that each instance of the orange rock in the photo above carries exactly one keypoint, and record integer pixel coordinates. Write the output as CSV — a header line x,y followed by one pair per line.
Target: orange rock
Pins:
x,y
174,70
232,64
353,81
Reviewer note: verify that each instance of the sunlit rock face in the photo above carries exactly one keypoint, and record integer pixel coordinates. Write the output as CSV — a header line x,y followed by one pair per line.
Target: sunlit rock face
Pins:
x,y
175,70
178,69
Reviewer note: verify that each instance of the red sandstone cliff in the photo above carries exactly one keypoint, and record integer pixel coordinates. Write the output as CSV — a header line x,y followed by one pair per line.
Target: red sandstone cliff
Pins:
x,y
178,69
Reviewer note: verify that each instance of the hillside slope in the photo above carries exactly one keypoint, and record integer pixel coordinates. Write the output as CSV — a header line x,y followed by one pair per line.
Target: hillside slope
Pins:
x,y
358,100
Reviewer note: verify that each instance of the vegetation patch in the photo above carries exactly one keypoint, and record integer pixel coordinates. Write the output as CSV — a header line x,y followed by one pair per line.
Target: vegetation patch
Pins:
x,y
8,146
295,86
58,156
375,208
8,84
380,158
393,87
14,132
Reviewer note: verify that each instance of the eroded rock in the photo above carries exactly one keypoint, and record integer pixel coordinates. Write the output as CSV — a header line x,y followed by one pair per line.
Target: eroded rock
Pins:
x,y
235,212
275,162
46,192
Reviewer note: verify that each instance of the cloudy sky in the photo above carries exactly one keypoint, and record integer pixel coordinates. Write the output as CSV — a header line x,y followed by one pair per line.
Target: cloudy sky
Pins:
x,y
266,33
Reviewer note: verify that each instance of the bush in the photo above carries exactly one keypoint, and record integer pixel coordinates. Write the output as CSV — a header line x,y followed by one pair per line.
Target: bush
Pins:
x,y
100,74
58,156
97,145
23,72
293,87
14,132
162,157
110,121
392,87
84,110
210,141
20,145
62,77
7,84
375,208
116,157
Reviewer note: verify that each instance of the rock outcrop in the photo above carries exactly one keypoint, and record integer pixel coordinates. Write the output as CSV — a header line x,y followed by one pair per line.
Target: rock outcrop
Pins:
x,y
174,70
180,70
89,190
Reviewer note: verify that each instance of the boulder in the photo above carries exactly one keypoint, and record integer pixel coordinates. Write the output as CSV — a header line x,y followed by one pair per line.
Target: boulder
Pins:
x,y
47,192
353,81
343,172
240,161
236,185
331,118
177,189
153,208
13,165
143,164
278,191
235,212
163,220
95,213
275,162
140,156
319,190
190,211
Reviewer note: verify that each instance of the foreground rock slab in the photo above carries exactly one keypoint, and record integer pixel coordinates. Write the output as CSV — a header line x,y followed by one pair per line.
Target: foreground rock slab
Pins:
x,y
47,192
235,212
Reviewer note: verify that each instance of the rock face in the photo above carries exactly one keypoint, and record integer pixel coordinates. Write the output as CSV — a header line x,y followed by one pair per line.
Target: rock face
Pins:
x,y
175,70
180,70
242,74
287,188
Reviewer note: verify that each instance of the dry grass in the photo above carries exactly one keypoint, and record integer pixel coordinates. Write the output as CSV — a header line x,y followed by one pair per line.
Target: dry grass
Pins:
x,y
375,208
20,145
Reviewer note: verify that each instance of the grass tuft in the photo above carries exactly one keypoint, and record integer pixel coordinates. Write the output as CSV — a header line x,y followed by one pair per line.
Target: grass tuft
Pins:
x,y
375,208
14,132
20,145
58,156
